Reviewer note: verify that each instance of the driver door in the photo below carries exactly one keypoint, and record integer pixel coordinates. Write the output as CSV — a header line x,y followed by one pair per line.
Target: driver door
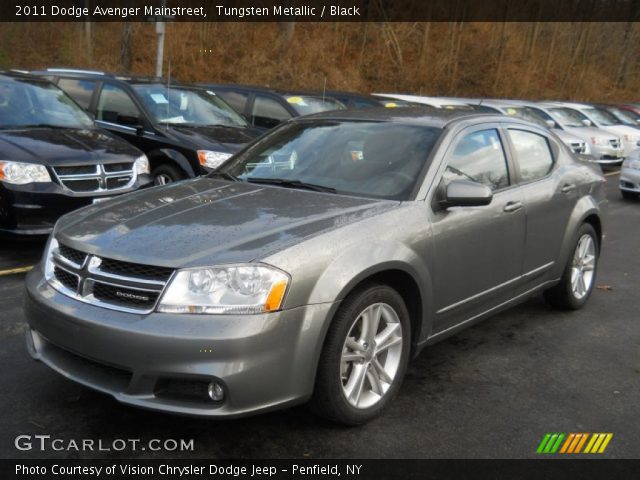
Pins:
x,y
478,250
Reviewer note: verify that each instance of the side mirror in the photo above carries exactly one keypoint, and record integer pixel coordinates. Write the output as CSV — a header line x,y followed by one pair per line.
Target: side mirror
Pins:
x,y
550,123
464,193
586,123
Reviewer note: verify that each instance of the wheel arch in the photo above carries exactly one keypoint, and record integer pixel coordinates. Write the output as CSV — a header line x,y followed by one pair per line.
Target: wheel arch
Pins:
x,y
172,157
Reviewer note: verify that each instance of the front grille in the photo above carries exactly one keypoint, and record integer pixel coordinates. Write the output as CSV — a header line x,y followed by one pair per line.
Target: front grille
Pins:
x,y
72,254
108,282
126,297
615,143
67,279
96,178
578,147
76,170
135,270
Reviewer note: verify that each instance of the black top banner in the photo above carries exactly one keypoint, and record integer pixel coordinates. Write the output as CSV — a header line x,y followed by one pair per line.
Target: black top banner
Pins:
x,y
320,11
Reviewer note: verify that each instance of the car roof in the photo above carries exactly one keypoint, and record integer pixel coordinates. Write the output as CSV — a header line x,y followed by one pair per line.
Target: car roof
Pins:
x,y
12,75
430,117
261,88
130,79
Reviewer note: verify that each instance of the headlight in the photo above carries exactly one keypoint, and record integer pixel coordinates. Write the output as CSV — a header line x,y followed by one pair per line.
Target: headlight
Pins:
x,y
212,159
235,289
141,165
632,163
20,173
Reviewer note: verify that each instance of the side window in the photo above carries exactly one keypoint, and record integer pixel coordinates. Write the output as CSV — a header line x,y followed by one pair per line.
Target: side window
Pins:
x,y
267,112
533,154
115,104
237,100
80,90
479,157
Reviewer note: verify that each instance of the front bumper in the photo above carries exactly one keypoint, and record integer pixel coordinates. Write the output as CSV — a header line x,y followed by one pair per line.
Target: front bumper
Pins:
x,y
630,180
263,361
606,155
33,209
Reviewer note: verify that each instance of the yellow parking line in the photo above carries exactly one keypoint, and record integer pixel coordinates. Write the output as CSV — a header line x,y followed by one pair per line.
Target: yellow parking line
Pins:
x,y
612,173
13,271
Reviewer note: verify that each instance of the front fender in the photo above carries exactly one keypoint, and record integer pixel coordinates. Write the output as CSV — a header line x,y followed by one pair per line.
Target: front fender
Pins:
x,y
353,266
585,207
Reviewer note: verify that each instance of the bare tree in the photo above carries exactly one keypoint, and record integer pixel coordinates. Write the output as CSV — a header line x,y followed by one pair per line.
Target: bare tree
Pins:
x,y
125,47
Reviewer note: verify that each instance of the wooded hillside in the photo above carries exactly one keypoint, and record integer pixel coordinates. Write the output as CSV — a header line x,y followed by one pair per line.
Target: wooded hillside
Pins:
x,y
582,61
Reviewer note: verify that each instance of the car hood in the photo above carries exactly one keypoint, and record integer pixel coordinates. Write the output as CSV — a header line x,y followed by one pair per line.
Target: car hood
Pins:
x,y
567,137
214,137
207,221
588,132
58,146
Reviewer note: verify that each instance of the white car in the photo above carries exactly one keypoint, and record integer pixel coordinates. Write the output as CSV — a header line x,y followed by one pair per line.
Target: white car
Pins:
x,y
630,176
605,120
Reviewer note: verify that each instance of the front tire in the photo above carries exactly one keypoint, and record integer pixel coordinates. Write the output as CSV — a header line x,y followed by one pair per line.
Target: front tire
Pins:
x,y
165,173
579,276
365,356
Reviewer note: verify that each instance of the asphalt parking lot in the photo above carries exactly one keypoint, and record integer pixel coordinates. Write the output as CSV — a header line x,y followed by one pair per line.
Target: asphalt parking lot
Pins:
x,y
492,391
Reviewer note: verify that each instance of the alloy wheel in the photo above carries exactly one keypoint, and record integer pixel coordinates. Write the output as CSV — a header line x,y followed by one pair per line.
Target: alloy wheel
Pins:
x,y
371,355
583,266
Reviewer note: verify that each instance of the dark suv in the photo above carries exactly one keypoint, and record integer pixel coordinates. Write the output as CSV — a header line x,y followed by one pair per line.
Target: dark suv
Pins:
x,y
184,130
54,159
267,107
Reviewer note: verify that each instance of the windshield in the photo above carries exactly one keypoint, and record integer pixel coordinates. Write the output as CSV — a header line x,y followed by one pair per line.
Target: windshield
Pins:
x,y
568,117
183,106
625,116
532,115
27,103
602,117
369,159
305,105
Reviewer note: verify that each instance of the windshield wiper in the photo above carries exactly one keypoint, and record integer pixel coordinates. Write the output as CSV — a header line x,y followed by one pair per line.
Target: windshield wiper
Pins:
x,y
225,175
292,184
49,125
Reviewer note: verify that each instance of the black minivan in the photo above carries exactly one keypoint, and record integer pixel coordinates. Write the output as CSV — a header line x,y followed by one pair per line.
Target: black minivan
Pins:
x,y
184,130
53,157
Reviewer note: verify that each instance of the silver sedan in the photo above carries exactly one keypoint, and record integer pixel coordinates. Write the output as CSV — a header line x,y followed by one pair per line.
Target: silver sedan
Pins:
x,y
316,263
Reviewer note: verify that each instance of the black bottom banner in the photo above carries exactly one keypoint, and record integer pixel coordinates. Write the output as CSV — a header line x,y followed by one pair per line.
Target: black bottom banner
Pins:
x,y
315,469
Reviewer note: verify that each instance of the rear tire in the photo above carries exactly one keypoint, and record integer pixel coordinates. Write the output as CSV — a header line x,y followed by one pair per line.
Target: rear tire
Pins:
x,y
365,356
579,275
166,173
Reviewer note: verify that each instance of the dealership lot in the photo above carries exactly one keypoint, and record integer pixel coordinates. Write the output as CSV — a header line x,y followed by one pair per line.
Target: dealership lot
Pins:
x,y
493,390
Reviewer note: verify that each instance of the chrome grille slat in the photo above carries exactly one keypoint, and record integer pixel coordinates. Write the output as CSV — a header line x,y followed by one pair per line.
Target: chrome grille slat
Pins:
x,y
80,275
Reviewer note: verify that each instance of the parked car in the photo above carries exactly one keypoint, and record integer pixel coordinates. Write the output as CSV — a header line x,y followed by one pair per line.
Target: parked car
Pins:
x,y
318,272
604,120
435,102
514,108
630,176
633,108
266,108
606,148
353,100
54,159
184,130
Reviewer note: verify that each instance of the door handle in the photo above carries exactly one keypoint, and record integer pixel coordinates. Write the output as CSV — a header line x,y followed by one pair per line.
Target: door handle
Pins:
x,y
512,206
568,187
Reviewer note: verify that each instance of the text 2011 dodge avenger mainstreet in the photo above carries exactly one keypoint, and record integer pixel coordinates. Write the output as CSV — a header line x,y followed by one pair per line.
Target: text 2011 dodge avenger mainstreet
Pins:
x,y
315,263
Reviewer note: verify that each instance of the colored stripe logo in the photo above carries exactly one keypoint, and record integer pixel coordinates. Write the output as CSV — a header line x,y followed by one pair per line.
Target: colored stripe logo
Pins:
x,y
574,443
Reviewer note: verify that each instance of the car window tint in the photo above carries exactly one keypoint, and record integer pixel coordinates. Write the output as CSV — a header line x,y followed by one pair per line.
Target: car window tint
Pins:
x,y
237,100
268,112
80,90
479,157
533,154
113,103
